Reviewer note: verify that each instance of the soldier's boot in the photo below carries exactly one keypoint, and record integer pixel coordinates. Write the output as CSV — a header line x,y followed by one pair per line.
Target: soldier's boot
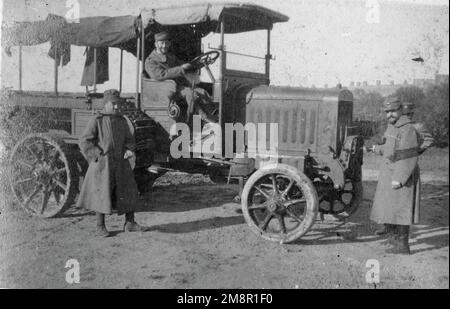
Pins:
x,y
101,230
131,225
388,230
401,242
384,230
393,234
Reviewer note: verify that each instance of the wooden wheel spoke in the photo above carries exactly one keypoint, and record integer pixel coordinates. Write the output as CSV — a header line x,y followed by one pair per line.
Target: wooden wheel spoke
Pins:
x,y
289,203
292,214
60,184
60,170
282,224
40,145
44,149
18,182
32,152
54,157
257,207
31,197
289,187
47,194
27,164
266,195
56,195
263,225
274,183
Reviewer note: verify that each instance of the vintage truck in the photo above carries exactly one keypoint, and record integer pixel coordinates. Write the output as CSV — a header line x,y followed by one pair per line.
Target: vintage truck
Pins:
x,y
317,164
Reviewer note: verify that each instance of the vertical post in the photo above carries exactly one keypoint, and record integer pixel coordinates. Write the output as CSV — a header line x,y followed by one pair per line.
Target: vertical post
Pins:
x,y
142,62
138,99
221,68
56,69
20,67
95,70
268,56
121,72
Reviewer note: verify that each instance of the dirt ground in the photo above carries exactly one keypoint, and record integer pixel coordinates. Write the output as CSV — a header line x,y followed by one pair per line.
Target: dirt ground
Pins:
x,y
198,239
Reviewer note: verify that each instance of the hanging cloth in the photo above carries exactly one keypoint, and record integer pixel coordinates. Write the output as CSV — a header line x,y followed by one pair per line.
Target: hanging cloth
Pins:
x,y
89,66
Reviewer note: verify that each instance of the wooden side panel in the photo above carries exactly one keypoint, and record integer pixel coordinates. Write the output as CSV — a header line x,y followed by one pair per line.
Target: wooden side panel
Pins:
x,y
80,119
160,115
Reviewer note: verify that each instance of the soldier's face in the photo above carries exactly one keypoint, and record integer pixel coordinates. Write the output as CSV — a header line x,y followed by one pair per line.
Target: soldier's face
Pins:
x,y
111,108
410,116
393,116
162,46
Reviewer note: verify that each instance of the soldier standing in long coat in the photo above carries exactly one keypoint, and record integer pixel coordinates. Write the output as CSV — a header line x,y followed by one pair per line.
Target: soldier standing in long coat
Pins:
x,y
107,143
426,140
397,201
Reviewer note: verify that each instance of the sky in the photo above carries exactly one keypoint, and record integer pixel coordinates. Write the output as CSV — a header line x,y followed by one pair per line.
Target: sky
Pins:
x,y
324,42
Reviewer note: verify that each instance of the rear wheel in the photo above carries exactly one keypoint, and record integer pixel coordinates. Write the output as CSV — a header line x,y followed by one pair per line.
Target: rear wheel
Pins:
x,y
43,177
279,203
342,204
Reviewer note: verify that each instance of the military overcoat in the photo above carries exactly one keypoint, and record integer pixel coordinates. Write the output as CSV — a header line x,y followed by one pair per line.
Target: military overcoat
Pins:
x,y
163,67
109,182
399,163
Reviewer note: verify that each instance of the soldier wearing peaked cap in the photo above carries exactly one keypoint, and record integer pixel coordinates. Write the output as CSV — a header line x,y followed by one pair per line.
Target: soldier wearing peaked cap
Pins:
x,y
396,202
426,139
107,143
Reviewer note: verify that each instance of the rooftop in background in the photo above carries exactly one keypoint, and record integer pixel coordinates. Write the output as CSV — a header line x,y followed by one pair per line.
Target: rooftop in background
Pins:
x,y
388,89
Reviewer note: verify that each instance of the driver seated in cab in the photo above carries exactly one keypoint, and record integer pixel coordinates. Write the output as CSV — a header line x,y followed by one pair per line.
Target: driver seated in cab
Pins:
x,y
163,65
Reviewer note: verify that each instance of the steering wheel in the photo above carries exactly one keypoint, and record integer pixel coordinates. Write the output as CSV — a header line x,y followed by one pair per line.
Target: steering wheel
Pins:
x,y
206,59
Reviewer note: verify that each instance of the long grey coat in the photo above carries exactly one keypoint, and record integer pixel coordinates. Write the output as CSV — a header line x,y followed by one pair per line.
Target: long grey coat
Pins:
x,y
399,163
109,182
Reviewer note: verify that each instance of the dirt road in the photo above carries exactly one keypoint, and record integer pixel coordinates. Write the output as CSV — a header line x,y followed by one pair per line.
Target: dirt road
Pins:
x,y
198,239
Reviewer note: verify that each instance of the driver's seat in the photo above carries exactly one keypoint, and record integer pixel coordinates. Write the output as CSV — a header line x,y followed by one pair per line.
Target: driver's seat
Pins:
x,y
157,93
161,96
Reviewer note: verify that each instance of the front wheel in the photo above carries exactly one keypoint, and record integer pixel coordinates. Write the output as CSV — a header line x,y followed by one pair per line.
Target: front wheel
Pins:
x,y
279,203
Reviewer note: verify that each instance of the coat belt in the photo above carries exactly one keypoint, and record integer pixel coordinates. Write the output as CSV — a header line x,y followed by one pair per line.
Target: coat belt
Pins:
x,y
403,154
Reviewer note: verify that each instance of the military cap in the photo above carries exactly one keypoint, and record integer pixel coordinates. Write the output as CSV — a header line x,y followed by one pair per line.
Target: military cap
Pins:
x,y
392,103
408,107
162,36
112,95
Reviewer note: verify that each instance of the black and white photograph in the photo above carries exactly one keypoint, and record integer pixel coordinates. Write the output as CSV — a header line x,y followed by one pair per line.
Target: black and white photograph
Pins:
x,y
224,150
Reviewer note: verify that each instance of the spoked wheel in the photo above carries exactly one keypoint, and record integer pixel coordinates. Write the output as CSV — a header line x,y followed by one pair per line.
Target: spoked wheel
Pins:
x,y
342,204
42,178
279,203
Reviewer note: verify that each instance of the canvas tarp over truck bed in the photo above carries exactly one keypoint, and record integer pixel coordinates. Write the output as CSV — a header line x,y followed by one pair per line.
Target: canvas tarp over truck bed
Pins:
x,y
90,31
103,31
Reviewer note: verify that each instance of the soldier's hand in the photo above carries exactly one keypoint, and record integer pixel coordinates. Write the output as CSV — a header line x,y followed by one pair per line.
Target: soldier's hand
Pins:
x,y
128,154
187,66
369,149
396,185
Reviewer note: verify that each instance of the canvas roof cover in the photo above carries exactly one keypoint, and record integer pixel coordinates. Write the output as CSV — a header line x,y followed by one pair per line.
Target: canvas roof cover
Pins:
x,y
103,31
239,17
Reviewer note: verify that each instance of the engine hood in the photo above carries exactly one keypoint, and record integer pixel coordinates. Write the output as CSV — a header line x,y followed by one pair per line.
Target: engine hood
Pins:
x,y
296,93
